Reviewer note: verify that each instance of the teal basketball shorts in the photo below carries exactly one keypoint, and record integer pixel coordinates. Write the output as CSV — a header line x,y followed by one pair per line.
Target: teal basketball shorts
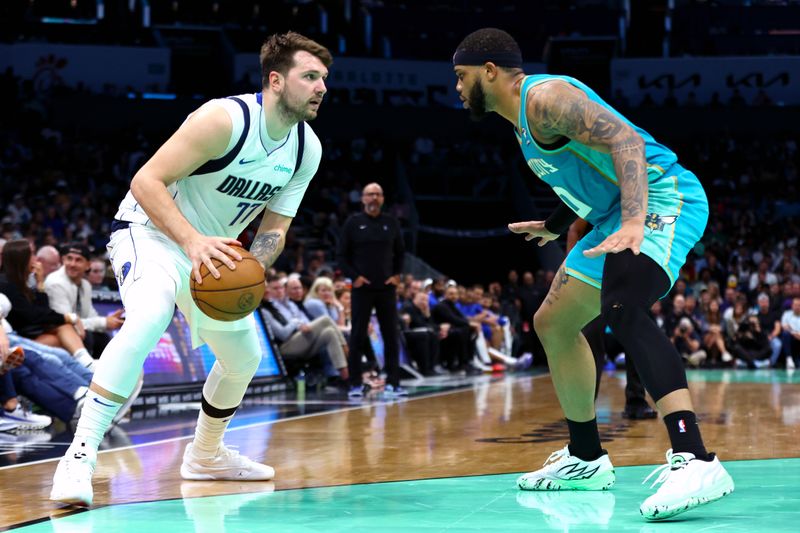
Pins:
x,y
677,212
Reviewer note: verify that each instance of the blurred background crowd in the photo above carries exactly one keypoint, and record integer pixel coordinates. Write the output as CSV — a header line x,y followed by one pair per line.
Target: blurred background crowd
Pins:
x,y
69,151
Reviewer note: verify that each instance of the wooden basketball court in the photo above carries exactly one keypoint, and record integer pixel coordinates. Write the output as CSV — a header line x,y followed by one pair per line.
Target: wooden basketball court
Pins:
x,y
454,453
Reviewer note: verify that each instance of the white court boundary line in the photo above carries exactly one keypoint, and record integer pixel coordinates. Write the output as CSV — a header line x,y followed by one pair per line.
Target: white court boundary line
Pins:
x,y
273,422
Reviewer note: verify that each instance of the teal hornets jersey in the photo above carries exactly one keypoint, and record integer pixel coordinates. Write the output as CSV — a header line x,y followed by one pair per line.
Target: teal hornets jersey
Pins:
x,y
584,178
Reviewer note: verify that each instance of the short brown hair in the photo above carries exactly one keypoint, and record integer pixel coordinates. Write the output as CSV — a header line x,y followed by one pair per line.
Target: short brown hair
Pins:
x,y
277,53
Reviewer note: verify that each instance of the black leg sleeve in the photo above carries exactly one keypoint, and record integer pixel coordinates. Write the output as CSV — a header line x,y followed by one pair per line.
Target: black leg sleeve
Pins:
x,y
631,283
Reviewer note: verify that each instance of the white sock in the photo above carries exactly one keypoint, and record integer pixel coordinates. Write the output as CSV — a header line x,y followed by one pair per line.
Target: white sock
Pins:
x,y
96,416
84,358
208,435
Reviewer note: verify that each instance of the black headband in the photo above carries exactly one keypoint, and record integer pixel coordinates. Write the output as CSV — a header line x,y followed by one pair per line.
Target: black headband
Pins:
x,y
501,59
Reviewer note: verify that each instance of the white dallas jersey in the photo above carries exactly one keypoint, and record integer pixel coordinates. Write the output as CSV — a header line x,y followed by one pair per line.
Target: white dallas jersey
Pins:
x,y
222,196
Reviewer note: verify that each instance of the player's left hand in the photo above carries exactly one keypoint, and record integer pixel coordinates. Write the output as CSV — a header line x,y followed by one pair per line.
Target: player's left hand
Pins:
x,y
628,237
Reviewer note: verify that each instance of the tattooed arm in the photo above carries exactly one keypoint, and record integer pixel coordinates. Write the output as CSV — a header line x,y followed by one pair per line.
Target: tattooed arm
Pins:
x,y
557,109
270,238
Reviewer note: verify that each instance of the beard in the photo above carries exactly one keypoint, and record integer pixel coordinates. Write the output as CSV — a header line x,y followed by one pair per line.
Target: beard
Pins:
x,y
477,102
293,112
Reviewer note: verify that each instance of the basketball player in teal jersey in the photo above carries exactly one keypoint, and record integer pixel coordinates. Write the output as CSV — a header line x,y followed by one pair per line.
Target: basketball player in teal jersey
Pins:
x,y
647,212
231,160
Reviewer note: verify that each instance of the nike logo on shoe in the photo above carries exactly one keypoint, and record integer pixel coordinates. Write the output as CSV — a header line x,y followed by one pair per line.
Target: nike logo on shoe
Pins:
x,y
243,162
101,403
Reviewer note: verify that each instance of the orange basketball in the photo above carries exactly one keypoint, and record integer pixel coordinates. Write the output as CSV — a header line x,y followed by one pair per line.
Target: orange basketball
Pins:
x,y
235,294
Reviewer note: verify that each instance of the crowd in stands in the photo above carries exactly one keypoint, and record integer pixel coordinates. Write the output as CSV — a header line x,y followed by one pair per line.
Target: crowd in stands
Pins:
x,y
51,334
446,328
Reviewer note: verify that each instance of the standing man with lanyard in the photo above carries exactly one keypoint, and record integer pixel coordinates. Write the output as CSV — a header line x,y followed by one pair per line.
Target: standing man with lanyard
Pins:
x,y
371,254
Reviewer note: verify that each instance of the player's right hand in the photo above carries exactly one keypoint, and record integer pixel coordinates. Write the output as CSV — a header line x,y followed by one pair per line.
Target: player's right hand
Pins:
x,y
534,229
204,248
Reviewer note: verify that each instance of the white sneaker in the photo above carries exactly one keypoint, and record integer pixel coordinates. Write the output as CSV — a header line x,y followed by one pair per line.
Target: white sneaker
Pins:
x,y
480,365
697,358
25,419
228,464
72,482
524,362
563,471
7,425
686,483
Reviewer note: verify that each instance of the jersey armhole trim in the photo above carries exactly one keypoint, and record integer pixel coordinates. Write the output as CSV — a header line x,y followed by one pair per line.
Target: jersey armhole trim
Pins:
x,y
301,139
215,165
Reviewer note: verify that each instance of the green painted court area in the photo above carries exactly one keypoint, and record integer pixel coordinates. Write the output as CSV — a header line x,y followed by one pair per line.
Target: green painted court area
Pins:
x,y
767,499
746,376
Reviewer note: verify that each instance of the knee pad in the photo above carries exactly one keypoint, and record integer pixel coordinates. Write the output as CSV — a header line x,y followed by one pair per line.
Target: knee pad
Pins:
x,y
228,380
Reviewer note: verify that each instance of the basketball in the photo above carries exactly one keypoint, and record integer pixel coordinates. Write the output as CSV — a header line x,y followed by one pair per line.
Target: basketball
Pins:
x,y
235,294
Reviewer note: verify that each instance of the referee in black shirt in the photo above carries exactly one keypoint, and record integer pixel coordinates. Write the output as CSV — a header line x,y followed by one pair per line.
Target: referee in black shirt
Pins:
x,y
371,254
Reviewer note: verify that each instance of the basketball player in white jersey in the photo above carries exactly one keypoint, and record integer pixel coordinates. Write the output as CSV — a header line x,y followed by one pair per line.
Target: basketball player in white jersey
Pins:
x,y
230,160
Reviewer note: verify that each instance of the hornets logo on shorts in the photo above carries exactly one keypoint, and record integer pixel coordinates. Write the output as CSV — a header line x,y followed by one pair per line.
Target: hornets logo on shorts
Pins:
x,y
656,222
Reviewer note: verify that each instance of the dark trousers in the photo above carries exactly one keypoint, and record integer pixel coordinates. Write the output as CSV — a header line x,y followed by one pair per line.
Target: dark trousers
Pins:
x,y
423,347
791,348
50,386
96,342
456,348
7,390
384,301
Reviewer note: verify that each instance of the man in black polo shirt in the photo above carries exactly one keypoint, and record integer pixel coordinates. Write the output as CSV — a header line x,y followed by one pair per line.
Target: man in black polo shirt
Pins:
x,y
371,254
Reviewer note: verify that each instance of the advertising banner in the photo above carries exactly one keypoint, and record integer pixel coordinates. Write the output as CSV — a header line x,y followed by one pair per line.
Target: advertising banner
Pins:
x,y
777,77
96,67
